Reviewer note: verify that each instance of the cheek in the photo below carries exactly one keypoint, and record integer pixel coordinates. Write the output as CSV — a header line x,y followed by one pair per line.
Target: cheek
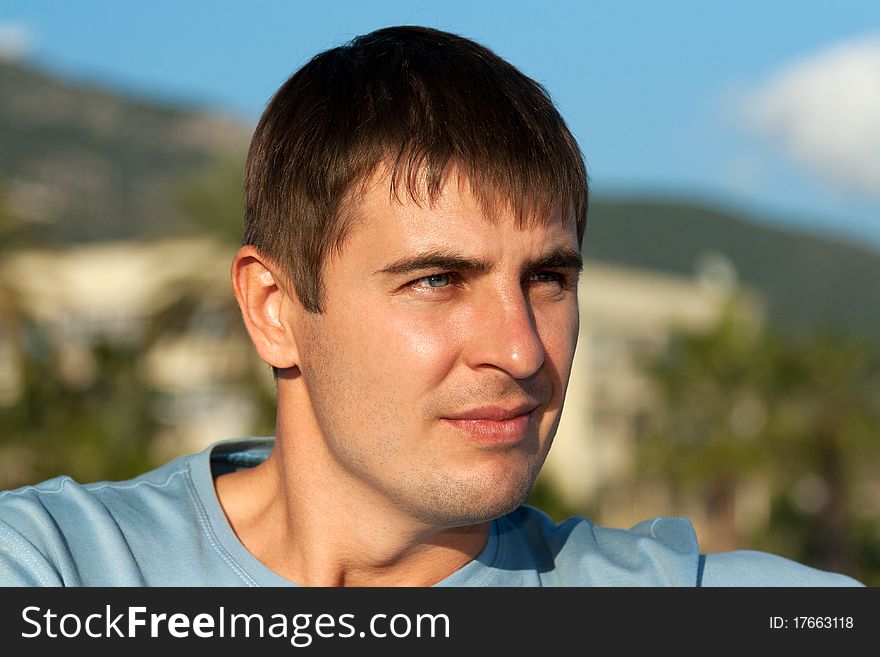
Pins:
x,y
406,345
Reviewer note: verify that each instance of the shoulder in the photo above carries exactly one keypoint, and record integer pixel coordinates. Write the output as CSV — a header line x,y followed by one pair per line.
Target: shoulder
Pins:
x,y
71,503
656,552
576,552
52,533
750,568
162,528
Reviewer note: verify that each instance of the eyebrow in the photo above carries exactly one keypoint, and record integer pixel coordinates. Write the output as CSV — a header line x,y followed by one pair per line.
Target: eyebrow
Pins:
x,y
560,258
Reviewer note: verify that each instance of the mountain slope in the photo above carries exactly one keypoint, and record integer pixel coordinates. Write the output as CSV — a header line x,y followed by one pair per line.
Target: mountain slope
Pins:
x,y
807,281
95,165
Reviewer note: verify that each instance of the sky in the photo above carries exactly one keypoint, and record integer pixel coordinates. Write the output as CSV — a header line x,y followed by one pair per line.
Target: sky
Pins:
x,y
770,108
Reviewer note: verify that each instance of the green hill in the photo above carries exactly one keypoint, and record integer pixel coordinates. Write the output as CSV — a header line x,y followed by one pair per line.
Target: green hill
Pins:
x,y
807,281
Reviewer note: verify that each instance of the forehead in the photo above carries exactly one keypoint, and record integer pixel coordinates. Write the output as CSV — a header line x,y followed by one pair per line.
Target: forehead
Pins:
x,y
381,211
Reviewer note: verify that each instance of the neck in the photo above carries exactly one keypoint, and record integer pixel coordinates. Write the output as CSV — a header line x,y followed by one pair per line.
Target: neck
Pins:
x,y
309,521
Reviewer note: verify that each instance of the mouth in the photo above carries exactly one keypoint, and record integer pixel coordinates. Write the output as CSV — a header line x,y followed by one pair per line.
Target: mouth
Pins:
x,y
496,425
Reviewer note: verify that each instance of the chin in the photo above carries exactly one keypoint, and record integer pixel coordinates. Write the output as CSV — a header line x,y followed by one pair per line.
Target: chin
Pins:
x,y
473,500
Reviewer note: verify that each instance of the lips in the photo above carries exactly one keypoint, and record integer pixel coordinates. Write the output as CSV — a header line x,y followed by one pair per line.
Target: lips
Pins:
x,y
494,413
496,425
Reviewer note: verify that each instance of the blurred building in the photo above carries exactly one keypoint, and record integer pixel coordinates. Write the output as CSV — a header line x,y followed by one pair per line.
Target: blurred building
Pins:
x,y
171,299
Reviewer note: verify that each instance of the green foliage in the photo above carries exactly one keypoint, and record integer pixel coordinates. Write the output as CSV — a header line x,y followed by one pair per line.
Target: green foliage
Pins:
x,y
712,410
92,418
737,408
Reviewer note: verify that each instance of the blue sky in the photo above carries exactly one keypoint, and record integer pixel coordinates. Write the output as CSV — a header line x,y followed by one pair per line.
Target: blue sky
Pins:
x,y
768,107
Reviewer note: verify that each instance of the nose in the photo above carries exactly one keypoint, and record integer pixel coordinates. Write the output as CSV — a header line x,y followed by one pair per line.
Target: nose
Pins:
x,y
503,335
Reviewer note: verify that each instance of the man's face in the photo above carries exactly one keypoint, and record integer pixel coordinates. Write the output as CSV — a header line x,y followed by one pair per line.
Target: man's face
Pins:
x,y
438,369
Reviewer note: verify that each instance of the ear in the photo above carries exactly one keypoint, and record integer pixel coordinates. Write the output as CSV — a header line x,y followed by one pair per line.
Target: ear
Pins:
x,y
266,307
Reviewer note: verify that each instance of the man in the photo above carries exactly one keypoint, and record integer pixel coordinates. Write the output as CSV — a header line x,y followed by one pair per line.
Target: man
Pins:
x,y
414,213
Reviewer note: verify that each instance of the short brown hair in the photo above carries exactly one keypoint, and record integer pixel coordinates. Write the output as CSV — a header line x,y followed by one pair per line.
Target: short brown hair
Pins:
x,y
420,100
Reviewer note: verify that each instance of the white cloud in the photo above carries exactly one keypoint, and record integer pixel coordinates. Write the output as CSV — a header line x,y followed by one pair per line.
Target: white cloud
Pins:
x,y
15,40
824,111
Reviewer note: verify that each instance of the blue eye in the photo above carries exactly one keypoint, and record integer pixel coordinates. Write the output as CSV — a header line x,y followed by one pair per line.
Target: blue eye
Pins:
x,y
436,280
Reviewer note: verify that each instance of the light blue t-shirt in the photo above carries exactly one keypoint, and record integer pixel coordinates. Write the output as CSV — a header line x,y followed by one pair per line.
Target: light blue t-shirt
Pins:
x,y
166,528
